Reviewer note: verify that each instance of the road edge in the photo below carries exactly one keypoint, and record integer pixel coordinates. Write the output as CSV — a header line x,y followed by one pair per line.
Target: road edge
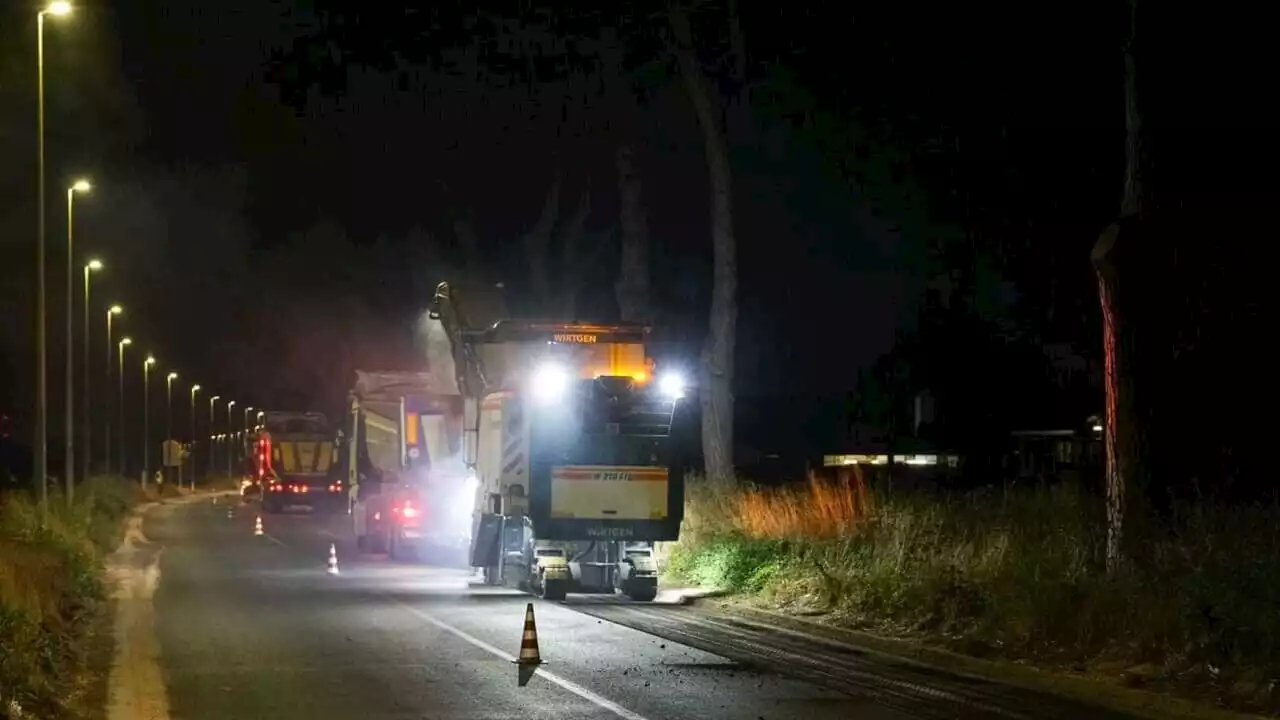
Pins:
x,y
135,681
1140,703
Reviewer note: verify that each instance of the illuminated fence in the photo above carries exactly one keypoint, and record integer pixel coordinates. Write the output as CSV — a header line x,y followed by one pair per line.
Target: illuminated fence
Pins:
x,y
949,461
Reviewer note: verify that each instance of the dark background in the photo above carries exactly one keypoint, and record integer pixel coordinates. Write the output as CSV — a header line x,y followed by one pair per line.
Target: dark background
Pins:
x,y
277,185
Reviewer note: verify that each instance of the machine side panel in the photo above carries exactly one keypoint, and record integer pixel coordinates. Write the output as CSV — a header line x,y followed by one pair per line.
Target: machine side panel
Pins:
x,y
514,478
489,451
601,492
648,509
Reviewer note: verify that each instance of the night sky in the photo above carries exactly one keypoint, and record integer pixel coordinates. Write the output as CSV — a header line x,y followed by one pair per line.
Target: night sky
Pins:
x,y
275,194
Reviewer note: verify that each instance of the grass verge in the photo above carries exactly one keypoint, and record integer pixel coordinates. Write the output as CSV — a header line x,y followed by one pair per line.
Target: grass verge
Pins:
x,y
1010,575
52,596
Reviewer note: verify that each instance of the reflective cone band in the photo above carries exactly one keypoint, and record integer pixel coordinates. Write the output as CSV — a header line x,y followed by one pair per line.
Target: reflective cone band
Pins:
x,y
333,559
529,654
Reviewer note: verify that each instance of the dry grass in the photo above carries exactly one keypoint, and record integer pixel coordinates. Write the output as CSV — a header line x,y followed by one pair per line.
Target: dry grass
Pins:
x,y
1016,574
50,585
818,509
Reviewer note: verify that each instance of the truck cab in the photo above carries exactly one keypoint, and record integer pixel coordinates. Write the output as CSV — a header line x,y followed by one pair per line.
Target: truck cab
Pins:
x,y
403,441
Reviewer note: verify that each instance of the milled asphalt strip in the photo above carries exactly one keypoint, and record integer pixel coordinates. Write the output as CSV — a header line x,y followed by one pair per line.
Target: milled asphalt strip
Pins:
x,y
597,700
569,685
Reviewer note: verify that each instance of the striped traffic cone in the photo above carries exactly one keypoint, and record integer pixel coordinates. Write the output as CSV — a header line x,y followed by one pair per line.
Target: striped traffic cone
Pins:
x,y
230,514
529,654
333,559
257,526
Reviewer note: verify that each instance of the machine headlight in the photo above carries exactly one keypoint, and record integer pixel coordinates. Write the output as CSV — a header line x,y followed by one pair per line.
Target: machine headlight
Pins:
x,y
671,385
550,382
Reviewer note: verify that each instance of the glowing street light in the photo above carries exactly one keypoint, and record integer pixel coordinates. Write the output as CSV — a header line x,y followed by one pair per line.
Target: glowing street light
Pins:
x,y
41,469
78,186
120,401
89,267
106,430
212,400
194,389
146,419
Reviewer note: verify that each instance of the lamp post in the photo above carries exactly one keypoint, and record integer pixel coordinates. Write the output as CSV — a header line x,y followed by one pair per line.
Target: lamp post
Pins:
x,y
146,418
227,447
57,9
245,424
124,470
88,429
212,400
81,186
106,429
168,421
194,389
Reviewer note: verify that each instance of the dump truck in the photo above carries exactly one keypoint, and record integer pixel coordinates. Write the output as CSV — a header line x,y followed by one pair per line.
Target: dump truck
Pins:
x,y
292,458
401,452
569,451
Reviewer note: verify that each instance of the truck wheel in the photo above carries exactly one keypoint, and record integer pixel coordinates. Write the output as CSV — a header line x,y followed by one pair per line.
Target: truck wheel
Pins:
x,y
554,590
643,594
640,589
377,543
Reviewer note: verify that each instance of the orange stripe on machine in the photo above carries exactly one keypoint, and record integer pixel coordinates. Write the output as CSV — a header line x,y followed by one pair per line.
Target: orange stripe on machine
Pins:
x,y
623,473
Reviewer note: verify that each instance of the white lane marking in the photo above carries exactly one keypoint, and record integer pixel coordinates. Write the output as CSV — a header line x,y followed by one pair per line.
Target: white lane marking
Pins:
x,y
569,685
597,700
272,539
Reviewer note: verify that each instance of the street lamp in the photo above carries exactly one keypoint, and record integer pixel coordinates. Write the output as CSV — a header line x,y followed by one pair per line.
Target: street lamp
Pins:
x,y
168,418
41,468
124,471
194,389
227,447
146,418
81,186
246,420
106,431
89,267
212,400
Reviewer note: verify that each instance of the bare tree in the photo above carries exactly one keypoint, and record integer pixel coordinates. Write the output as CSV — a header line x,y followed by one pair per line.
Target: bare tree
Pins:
x,y
633,286
537,247
1121,426
717,355
575,259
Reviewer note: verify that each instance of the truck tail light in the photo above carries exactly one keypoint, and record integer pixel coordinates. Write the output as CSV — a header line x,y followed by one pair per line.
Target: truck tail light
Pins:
x,y
335,487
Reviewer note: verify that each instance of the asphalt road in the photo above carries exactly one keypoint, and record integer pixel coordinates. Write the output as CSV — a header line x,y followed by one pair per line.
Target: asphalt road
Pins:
x,y
254,627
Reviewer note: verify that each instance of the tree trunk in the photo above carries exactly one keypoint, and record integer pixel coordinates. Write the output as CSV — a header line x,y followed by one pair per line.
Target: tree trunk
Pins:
x,y
537,249
632,288
1121,424
717,355
574,257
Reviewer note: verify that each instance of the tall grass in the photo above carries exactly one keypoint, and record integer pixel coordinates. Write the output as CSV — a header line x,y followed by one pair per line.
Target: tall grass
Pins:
x,y
1016,573
50,586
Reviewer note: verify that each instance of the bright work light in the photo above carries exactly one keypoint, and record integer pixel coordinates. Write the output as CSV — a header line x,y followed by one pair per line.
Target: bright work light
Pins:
x,y
550,382
672,385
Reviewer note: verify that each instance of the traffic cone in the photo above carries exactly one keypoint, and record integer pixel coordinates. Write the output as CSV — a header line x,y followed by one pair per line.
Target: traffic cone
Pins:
x,y
257,526
333,559
230,514
529,654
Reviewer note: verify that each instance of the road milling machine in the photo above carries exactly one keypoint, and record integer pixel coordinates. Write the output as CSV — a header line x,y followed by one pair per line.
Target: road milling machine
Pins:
x,y
567,436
